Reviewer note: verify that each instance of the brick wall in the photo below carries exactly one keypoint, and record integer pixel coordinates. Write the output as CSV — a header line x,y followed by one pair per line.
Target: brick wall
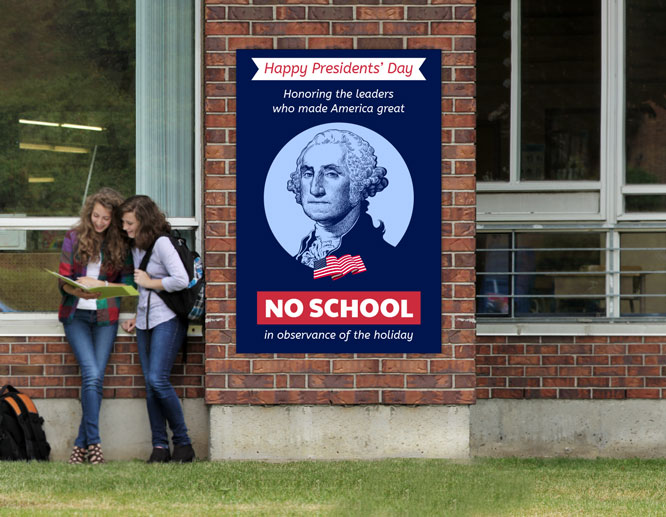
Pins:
x,y
571,367
45,367
445,378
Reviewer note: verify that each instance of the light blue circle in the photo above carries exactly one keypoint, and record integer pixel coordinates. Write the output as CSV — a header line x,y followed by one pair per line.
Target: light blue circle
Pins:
x,y
394,205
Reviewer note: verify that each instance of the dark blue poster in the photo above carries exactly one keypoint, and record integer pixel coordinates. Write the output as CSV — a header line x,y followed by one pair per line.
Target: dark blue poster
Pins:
x,y
338,201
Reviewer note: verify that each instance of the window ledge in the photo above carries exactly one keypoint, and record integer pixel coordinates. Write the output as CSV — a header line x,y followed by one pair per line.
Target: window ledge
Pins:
x,y
47,324
572,328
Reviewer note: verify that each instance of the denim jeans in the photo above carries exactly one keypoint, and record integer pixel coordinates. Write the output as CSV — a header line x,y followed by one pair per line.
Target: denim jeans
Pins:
x,y
92,344
158,348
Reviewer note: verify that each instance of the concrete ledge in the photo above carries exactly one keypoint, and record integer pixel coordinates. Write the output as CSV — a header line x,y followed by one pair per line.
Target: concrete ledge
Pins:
x,y
575,428
124,427
334,432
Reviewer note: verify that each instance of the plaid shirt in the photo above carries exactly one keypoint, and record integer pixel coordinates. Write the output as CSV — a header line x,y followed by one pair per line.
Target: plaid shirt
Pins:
x,y
107,309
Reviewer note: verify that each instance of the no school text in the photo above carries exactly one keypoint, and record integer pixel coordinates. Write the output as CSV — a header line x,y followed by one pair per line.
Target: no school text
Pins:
x,y
342,94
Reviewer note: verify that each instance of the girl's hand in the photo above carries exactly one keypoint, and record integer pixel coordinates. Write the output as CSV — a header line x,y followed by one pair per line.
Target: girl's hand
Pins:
x,y
80,293
129,325
90,282
141,278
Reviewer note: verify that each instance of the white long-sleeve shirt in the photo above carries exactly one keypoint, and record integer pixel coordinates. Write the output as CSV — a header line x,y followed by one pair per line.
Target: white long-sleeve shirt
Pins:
x,y
166,265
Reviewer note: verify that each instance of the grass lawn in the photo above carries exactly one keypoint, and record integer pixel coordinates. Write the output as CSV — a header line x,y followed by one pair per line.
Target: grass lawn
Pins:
x,y
376,488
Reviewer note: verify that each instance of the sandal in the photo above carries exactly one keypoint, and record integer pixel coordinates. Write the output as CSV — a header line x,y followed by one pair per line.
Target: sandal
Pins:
x,y
78,456
95,456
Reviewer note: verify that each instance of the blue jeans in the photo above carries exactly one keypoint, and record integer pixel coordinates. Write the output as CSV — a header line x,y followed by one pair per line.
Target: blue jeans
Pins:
x,y
158,348
92,344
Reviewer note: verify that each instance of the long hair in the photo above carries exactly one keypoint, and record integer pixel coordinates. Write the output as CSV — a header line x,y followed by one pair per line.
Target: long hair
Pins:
x,y
110,244
152,221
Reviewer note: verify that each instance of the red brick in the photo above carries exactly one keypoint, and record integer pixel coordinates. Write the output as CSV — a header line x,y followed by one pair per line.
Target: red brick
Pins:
x,y
330,13
508,393
354,28
406,28
251,381
540,394
380,13
609,394
429,13
429,397
380,381
289,28
465,13
356,366
288,366
404,366
25,370
429,381
330,43
643,394
574,394
453,28
226,28
558,382
382,43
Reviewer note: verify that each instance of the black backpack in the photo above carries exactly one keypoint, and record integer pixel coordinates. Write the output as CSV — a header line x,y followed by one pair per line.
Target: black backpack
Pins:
x,y
188,304
21,434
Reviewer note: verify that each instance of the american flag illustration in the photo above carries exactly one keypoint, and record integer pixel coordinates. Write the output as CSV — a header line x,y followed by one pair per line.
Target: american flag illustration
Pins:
x,y
338,267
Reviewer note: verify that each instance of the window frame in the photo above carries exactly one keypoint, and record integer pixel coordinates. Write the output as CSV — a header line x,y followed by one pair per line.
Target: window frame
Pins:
x,y
14,324
610,218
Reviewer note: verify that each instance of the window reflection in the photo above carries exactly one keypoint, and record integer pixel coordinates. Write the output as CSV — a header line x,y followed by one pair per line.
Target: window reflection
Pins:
x,y
561,89
67,107
646,98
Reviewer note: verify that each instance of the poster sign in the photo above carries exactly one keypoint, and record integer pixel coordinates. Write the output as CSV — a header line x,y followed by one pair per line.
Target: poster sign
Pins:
x,y
338,201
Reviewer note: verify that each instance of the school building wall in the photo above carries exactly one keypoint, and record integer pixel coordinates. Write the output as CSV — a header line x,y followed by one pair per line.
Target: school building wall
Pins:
x,y
485,395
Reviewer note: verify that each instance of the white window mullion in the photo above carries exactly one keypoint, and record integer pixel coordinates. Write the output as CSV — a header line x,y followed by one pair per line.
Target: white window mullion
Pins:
x,y
514,130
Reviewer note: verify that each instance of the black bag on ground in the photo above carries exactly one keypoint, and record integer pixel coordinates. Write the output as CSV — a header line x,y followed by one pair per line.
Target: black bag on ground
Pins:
x,y
188,303
21,434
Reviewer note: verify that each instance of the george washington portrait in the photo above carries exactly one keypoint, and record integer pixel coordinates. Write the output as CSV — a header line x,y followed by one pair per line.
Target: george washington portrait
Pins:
x,y
336,173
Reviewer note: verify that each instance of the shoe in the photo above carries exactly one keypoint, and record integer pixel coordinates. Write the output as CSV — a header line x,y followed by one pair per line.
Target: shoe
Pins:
x,y
95,456
159,455
183,453
78,456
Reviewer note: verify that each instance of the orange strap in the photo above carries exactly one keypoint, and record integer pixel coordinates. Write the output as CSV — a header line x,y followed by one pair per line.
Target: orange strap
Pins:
x,y
30,406
14,405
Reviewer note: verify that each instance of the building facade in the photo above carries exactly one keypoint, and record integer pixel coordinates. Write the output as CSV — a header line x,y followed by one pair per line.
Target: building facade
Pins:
x,y
552,223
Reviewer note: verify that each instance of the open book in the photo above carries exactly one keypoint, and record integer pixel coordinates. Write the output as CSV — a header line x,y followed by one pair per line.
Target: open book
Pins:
x,y
107,292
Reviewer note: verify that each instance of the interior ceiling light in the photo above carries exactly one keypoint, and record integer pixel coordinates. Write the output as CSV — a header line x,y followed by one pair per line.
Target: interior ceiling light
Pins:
x,y
54,148
55,124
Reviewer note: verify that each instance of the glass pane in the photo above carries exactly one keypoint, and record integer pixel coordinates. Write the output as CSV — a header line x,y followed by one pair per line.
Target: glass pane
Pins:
x,y
645,203
493,289
565,277
67,106
546,274
561,89
493,41
640,274
646,92
24,285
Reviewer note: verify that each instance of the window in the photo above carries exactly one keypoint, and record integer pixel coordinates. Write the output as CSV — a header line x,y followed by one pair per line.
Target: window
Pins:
x,y
93,94
572,160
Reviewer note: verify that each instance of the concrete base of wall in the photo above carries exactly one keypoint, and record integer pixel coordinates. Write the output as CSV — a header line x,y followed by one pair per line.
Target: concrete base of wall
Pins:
x,y
335,433
575,428
124,427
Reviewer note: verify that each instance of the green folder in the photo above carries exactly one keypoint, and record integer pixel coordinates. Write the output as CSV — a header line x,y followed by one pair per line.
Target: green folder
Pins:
x,y
107,292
